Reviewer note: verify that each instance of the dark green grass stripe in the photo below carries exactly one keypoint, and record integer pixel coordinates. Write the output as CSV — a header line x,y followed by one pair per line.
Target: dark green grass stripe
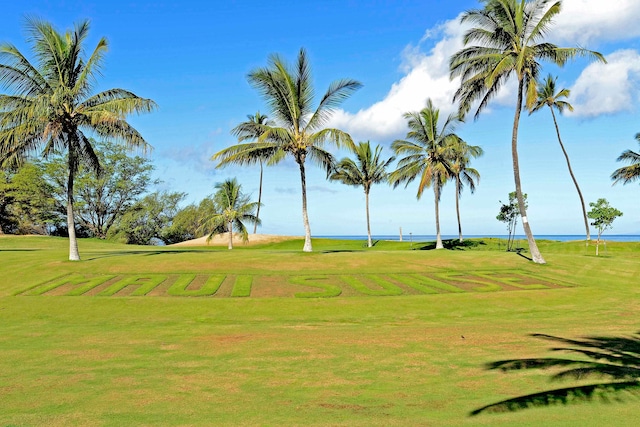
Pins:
x,y
146,283
329,290
424,284
84,284
242,286
479,285
388,288
210,287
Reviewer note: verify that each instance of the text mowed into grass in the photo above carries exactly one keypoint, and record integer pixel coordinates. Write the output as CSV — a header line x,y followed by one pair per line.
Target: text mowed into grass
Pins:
x,y
299,286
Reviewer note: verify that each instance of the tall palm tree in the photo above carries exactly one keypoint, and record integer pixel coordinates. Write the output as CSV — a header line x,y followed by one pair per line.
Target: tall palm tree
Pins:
x,y
233,209
252,130
627,174
299,130
460,155
548,96
367,169
509,41
426,155
52,106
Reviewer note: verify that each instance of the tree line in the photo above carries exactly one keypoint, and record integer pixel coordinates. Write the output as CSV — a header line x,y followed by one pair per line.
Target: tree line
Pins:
x,y
51,111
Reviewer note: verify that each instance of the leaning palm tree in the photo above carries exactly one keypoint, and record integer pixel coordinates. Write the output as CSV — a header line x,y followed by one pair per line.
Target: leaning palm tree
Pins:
x,y
627,174
367,169
252,130
233,209
509,41
548,96
460,154
299,130
51,106
426,155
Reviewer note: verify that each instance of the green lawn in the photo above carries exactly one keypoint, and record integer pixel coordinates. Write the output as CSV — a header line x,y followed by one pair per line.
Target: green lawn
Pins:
x,y
402,336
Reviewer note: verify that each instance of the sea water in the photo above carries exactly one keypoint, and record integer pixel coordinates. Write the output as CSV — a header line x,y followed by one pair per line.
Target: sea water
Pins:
x,y
430,237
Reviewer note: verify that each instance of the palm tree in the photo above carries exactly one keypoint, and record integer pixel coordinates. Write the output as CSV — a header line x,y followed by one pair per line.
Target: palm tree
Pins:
x,y
233,209
52,107
366,170
460,154
627,174
509,37
253,129
426,155
299,131
548,96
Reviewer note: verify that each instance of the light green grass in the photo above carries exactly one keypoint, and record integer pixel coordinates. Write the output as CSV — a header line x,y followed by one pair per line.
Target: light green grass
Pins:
x,y
351,360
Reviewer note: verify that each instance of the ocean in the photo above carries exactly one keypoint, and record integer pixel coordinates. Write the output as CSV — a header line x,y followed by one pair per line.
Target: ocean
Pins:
x,y
432,237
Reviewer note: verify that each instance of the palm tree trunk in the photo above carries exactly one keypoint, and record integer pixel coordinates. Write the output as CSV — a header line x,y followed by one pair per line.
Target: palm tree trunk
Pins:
x,y
305,218
458,206
230,228
575,182
255,226
436,191
74,254
366,199
533,247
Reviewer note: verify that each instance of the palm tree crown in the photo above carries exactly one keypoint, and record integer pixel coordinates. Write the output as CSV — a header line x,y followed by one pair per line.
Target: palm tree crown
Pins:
x,y
548,96
299,131
367,169
233,209
507,39
52,107
627,174
425,154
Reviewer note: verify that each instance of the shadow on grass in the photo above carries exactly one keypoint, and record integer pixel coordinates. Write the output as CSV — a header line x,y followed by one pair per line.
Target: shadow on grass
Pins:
x,y
451,244
98,255
614,358
519,251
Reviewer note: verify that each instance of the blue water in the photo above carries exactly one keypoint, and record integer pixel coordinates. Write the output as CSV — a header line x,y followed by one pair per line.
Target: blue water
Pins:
x,y
427,237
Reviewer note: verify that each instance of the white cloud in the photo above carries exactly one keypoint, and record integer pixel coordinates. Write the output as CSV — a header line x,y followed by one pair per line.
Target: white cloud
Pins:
x,y
589,22
426,76
608,88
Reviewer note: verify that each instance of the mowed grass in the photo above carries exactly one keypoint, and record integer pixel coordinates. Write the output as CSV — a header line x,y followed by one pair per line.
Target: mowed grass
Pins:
x,y
354,360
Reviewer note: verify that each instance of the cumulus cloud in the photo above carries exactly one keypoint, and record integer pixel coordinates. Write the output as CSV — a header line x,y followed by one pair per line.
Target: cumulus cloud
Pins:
x,y
608,88
590,22
426,76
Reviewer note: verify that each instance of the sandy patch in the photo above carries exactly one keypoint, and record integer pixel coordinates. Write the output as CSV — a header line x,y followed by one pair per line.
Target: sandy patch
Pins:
x,y
223,240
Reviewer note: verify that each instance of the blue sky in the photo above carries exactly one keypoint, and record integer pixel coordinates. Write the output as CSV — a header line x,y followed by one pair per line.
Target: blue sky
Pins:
x,y
192,58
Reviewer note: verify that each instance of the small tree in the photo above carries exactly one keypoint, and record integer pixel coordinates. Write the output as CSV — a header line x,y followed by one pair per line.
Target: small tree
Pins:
x,y
101,200
147,221
509,213
233,209
603,215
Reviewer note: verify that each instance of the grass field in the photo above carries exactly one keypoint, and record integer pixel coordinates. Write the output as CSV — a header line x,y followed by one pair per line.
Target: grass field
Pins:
x,y
268,335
